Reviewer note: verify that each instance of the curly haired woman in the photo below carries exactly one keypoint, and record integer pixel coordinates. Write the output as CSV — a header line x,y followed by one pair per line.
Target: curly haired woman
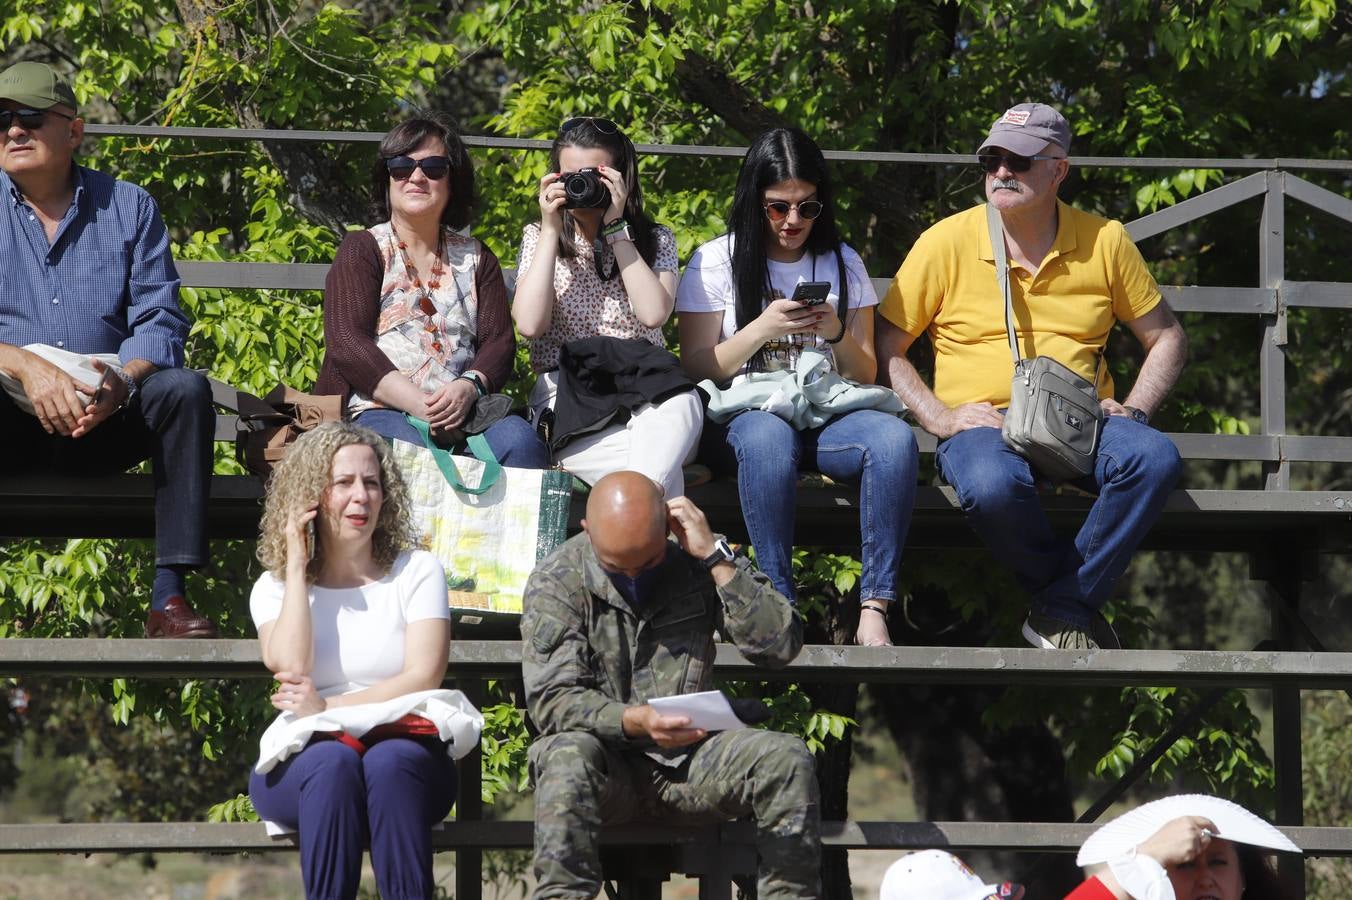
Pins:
x,y
349,615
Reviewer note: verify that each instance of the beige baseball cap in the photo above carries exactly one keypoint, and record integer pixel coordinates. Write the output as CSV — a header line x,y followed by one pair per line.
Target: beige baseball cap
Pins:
x,y
1027,128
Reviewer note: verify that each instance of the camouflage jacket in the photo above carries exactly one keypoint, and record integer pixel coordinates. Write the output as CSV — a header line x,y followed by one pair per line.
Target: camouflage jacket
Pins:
x,y
586,654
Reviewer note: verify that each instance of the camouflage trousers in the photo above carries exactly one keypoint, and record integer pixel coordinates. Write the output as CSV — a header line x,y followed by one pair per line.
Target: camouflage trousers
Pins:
x,y
581,784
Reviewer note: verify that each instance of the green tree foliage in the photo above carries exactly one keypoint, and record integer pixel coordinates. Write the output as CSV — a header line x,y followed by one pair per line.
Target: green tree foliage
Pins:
x,y
1135,77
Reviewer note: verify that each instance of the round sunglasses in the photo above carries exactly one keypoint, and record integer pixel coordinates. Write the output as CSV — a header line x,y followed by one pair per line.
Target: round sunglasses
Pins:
x,y
778,210
29,119
604,126
434,167
990,161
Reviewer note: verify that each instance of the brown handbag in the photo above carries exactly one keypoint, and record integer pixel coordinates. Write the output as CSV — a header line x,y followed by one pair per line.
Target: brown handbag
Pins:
x,y
268,426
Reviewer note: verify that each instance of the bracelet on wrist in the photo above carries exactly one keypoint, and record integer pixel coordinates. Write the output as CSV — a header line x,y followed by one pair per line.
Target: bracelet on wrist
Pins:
x,y
473,379
614,226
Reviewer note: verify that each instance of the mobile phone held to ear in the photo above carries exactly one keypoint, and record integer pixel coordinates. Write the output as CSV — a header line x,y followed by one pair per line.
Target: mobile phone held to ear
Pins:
x,y
812,293
310,538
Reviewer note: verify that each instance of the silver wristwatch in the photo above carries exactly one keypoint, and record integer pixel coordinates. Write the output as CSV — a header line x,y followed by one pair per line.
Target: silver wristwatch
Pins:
x,y
132,387
722,553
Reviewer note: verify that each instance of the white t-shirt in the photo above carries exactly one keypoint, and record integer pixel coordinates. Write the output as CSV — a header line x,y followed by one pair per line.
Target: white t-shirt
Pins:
x,y
359,632
708,286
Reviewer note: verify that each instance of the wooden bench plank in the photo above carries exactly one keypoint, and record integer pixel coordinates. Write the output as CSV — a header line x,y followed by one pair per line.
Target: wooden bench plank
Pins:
x,y
122,506
235,837
817,663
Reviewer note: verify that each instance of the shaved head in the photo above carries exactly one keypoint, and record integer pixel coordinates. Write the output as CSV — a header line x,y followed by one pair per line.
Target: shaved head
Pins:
x,y
626,521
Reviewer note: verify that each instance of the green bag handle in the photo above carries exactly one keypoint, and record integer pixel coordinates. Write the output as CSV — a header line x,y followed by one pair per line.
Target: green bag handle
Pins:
x,y
478,446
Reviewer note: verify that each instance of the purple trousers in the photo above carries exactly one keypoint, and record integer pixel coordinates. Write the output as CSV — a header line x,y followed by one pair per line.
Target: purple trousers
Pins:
x,y
340,802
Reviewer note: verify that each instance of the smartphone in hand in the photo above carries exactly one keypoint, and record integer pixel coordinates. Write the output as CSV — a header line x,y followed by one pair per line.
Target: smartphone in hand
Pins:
x,y
812,293
310,538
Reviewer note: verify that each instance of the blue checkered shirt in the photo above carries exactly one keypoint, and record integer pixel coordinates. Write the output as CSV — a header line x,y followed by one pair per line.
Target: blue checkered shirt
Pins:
x,y
106,284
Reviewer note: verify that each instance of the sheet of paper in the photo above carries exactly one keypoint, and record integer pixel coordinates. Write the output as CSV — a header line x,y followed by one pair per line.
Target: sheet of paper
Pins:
x,y
708,710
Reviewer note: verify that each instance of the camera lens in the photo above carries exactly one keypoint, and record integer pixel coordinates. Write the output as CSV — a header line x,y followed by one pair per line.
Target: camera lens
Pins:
x,y
584,189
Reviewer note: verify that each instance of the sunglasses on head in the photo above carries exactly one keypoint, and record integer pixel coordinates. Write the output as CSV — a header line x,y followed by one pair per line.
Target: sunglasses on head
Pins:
x,y
434,167
778,210
605,126
991,160
29,119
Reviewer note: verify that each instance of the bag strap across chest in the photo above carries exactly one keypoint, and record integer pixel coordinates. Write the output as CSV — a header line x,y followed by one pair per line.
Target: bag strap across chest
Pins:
x,y
996,227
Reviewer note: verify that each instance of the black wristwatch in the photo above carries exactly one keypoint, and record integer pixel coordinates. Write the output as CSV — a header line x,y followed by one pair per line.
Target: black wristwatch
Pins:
x,y
722,553
1137,415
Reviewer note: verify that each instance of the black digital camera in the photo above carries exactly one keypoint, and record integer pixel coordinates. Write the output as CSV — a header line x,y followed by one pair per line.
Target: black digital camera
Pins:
x,y
585,189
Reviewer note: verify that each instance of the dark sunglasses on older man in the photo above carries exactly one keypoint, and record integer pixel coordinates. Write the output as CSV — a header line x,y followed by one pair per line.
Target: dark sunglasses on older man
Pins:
x,y
605,126
29,119
991,161
778,210
434,167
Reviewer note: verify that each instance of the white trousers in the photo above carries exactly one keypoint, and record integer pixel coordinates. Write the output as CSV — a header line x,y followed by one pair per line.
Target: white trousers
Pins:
x,y
657,440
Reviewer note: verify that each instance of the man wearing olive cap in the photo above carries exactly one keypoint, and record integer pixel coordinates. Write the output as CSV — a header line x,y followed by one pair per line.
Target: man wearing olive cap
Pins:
x,y
1073,275
91,334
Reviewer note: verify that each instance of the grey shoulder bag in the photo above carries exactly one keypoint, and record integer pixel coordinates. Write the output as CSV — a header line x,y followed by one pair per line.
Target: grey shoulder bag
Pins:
x,y
1054,417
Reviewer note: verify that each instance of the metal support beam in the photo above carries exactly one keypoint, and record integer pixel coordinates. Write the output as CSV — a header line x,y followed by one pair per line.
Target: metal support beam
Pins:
x,y
1286,571
1196,207
469,806
1323,200
1272,352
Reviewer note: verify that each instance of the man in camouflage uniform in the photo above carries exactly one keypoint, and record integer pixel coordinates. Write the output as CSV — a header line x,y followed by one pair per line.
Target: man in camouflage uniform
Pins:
x,y
618,615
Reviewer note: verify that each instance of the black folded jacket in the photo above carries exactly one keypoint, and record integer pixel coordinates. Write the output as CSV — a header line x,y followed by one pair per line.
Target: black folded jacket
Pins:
x,y
603,379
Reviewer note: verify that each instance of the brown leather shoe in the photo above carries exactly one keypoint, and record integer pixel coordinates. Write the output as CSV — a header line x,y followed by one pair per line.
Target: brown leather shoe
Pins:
x,y
178,621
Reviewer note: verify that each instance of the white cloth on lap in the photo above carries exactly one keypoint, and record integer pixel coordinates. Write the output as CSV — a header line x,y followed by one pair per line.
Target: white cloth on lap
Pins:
x,y
457,721
77,365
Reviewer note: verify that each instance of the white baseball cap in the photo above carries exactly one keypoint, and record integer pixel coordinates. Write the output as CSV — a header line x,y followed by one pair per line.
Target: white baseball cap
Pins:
x,y
936,875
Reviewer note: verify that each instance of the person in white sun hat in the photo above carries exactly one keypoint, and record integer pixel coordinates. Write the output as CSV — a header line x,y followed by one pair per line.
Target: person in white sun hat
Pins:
x,y
1187,847
936,875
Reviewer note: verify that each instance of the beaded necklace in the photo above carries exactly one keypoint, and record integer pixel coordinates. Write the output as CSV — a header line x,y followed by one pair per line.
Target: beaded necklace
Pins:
x,y
424,302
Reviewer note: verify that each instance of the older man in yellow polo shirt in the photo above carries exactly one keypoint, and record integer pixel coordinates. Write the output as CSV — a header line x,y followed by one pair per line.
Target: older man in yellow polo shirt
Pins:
x,y
1073,276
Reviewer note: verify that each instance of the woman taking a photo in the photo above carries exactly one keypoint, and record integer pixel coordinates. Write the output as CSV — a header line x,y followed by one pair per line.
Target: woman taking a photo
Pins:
x,y
415,314
737,317
353,622
594,265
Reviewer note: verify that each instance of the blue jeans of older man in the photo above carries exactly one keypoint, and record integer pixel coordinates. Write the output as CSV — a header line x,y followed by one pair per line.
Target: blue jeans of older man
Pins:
x,y
1069,579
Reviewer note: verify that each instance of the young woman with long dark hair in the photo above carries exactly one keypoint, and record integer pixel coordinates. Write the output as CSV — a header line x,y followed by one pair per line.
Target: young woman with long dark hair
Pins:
x,y
598,265
737,317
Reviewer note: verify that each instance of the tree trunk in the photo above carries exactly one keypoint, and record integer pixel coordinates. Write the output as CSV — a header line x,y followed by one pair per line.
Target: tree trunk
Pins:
x,y
322,184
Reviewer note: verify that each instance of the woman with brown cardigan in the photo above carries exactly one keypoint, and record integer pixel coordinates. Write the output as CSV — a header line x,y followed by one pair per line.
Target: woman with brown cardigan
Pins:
x,y
416,319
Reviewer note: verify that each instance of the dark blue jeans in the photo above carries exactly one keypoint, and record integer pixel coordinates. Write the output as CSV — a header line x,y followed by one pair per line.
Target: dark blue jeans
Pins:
x,y
339,801
1137,466
513,440
873,449
171,423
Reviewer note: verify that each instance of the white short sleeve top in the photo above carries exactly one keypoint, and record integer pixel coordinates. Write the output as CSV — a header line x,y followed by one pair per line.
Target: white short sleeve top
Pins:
x,y
359,632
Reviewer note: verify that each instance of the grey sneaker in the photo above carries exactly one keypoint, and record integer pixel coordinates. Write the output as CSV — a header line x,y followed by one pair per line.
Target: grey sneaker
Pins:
x,y
1046,633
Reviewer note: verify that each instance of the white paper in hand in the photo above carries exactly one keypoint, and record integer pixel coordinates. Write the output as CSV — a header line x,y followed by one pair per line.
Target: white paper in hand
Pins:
x,y
708,710
79,366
